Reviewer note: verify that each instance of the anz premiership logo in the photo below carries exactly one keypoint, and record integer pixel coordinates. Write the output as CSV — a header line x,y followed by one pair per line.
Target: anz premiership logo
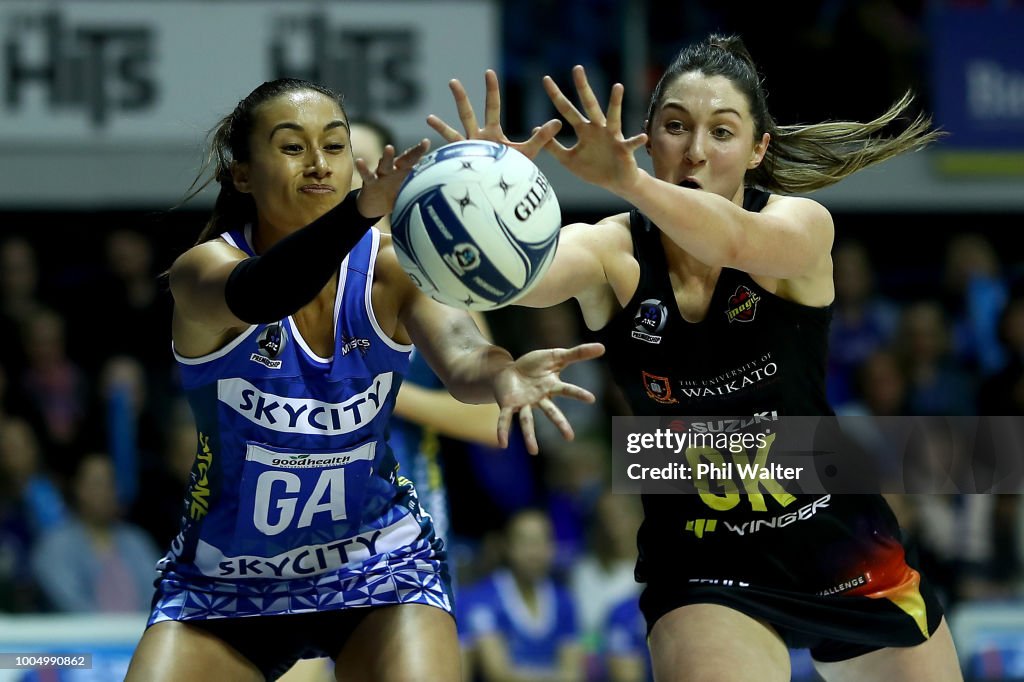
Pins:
x,y
269,345
649,320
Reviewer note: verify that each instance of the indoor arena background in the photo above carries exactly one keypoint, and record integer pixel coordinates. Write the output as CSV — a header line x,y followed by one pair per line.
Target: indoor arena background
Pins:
x,y
103,110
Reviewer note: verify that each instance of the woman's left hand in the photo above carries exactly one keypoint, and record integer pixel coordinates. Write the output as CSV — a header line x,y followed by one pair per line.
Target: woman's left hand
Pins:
x,y
381,185
601,155
532,381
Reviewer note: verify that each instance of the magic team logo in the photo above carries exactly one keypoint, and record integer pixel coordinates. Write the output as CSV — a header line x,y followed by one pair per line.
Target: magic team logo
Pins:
x,y
650,319
269,345
658,389
742,305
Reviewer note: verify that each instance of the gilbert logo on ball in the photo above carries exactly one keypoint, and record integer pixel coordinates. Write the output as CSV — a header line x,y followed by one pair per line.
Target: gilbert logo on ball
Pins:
x,y
475,225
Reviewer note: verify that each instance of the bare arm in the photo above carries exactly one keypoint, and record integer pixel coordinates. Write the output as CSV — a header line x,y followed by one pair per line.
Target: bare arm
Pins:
x,y
476,371
786,240
791,238
202,320
438,410
593,264
578,267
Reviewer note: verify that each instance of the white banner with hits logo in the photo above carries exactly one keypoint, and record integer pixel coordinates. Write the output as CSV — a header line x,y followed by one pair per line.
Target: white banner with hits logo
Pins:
x,y
138,73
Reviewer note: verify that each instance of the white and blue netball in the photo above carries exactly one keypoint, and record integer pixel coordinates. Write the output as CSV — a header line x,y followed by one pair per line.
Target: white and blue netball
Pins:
x,y
475,225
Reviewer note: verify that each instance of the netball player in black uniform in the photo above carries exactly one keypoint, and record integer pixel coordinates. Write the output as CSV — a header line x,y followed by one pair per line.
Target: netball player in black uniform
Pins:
x,y
712,297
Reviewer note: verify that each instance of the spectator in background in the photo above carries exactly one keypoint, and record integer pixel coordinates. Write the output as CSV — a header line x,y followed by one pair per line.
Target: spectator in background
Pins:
x,y
862,322
937,384
520,623
53,383
604,575
626,655
575,476
123,422
976,293
14,405
162,483
34,502
19,280
130,302
30,505
95,563
881,387
956,538
1003,392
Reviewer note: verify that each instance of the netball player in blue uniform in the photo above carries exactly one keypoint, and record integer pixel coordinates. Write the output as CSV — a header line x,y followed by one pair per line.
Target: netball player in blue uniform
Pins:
x,y
713,299
292,329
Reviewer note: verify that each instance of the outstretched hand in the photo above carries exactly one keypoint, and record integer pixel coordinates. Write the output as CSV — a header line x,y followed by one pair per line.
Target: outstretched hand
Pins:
x,y
601,155
381,185
492,120
532,381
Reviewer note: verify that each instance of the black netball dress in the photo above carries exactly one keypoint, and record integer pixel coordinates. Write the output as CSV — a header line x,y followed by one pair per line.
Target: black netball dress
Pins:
x,y
827,571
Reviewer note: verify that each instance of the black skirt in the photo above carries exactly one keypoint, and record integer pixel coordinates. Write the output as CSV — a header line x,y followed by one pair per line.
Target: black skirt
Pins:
x,y
828,572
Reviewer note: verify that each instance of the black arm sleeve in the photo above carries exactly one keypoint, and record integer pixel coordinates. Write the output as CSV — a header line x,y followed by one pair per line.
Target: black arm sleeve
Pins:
x,y
292,272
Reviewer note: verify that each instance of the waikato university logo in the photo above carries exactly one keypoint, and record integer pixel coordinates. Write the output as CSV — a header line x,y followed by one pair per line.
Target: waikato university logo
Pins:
x,y
649,320
658,389
269,345
742,305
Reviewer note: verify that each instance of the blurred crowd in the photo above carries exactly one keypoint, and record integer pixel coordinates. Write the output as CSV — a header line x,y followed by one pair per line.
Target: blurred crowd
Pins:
x,y
97,446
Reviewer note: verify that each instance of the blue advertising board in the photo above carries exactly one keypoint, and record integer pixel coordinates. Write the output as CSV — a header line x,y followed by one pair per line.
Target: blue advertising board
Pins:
x,y
978,87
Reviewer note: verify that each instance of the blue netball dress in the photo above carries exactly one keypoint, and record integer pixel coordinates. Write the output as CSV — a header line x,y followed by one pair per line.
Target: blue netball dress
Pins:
x,y
295,504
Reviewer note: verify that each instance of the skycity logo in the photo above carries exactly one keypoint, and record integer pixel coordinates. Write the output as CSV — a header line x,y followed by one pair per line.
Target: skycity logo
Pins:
x,y
305,415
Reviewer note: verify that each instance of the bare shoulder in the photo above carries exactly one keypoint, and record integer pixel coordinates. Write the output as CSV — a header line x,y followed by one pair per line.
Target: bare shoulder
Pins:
x,y
608,235
807,211
202,322
201,258
614,238
813,222
198,274
609,240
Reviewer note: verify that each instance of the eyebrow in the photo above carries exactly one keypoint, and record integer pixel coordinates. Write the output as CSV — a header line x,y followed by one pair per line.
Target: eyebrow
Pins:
x,y
291,125
724,110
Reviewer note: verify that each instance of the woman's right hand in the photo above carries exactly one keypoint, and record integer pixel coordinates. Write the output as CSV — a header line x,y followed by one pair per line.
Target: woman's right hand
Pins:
x,y
381,185
492,120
